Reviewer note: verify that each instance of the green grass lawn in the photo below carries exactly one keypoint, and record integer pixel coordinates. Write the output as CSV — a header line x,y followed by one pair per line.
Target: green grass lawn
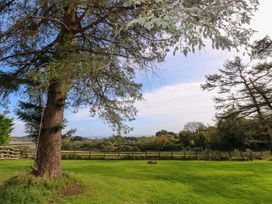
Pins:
x,y
118,182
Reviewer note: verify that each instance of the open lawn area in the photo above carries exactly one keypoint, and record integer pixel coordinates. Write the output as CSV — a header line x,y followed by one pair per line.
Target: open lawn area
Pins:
x,y
118,182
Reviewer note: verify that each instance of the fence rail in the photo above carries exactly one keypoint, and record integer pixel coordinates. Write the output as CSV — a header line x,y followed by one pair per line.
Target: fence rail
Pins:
x,y
9,153
177,155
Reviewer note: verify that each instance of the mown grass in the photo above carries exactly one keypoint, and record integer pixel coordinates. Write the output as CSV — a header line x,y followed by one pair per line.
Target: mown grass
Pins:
x,y
196,182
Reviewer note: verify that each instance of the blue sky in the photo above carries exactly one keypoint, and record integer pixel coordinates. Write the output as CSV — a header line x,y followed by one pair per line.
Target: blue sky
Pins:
x,y
174,97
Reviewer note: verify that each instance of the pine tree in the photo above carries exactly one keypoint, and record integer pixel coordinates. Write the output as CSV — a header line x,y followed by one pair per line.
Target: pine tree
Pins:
x,y
244,90
31,115
5,129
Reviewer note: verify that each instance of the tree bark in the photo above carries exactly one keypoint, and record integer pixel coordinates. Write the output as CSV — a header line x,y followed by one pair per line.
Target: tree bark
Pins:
x,y
48,159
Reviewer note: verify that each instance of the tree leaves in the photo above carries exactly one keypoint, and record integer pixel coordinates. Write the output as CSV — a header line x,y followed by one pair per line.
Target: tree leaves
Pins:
x,y
97,47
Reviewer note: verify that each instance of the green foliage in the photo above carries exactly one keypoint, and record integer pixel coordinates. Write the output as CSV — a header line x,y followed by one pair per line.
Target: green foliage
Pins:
x,y
244,89
194,135
93,50
243,99
165,132
194,126
28,189
31,114
5,129
165,142
228,134
186,139
231,134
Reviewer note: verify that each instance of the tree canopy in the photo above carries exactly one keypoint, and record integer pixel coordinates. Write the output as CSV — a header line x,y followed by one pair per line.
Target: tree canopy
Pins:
x,y
100,44
244,89
244,92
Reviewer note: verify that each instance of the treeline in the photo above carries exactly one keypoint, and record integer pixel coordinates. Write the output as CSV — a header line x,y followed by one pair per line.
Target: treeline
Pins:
x,y
230,134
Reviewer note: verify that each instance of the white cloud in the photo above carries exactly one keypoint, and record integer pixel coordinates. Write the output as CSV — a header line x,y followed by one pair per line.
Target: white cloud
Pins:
x,y
175,101
169,107
173,106
261,22
80,115
18,128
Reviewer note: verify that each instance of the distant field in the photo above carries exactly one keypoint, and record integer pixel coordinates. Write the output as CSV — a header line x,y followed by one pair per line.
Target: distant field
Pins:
x,y
184,182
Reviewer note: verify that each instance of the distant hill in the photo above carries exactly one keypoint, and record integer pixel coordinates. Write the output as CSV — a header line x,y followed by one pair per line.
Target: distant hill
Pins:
x,y
21,139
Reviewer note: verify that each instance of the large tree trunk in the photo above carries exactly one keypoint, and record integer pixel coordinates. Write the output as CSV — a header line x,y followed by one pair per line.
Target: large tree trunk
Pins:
x,y
48,159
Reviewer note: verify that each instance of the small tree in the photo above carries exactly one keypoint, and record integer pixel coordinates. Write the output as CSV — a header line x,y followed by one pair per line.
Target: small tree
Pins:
x,y
194,127
5,129
232,134
31,114
186,139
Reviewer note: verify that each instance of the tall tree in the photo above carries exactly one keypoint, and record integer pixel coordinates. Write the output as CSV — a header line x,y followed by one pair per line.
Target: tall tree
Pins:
x,y
86,53
244,90
235,94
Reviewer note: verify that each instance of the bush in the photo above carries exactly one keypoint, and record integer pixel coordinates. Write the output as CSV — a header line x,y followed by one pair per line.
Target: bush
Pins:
x,y
27,189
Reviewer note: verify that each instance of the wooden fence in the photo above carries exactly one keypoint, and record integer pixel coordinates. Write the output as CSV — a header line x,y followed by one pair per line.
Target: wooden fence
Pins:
x,y
9,153
177,155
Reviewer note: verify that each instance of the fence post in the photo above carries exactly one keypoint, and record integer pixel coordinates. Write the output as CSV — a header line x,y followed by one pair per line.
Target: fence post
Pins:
x,y
241,153
74,154
196,154
145,155
208,154
184,154
251,155
230,156
104,153
27,153
172,156
159,155
90,154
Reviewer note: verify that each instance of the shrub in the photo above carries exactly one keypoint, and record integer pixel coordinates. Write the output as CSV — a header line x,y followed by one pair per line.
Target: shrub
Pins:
x,y
27,189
